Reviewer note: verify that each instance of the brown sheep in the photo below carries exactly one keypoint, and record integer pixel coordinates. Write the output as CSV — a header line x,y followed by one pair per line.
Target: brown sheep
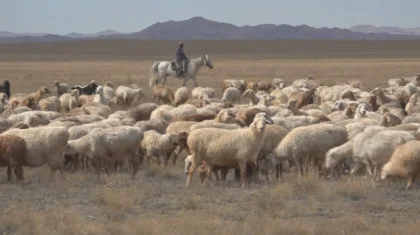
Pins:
x,y
264,86
12,154
252,85
197,102
349,95
37,96
247,115
404,163
164,94
241,85
305,98
141,112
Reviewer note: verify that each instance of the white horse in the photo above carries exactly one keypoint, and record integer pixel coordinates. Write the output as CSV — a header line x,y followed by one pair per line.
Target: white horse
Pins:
x,y
161,70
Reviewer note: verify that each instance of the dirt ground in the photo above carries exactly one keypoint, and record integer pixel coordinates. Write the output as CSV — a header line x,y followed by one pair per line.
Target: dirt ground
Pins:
x,y
156,201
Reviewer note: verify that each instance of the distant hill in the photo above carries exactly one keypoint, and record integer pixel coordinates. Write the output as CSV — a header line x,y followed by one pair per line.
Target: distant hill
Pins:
x,y
199,28
385,29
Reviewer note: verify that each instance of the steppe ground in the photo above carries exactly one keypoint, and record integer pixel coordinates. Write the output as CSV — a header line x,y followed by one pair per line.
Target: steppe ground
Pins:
x,y
156,202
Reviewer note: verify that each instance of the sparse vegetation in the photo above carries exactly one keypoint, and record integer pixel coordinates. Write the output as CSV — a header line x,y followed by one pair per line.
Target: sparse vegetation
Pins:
x,y
156,201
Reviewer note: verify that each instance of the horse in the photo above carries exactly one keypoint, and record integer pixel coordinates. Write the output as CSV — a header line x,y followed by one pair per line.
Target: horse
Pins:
x,y
161,70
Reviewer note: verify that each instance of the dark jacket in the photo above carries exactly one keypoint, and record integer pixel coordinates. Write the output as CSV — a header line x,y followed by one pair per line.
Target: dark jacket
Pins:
x,y
180,55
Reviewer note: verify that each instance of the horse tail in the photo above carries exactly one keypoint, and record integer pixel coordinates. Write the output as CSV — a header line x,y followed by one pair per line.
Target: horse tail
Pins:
x,y
153,74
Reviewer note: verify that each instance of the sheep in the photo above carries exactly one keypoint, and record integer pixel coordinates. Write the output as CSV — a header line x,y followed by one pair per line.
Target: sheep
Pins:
x,y
317,140
241,85
183,110
227,147
159,145
61,88
98,109
158,125
51,103
247,115
36,96
254,99
21,117
109,91
164,94
202,93
194,117
383,99
278,83
396,82
264,86
181,96
308,82
99,97
3,102
337,154
126,95
231,95
374,148
112,143
5,88
197,102
412,107
44,145
404,163
88,89
12,153
142,112
77,132
69,101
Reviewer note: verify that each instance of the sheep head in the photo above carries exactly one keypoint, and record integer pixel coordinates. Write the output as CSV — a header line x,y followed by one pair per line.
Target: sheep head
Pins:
x,y
43,90
188,163
75,93
225,116
260,120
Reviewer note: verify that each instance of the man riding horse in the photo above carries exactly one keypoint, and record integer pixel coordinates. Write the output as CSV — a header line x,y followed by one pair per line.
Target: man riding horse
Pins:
x,y
181,59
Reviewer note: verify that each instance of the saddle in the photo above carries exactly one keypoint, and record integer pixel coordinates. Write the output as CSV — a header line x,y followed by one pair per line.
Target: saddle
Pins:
x,y
175,66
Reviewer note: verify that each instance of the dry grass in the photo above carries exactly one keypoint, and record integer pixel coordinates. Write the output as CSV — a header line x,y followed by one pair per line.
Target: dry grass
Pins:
x,y
156,202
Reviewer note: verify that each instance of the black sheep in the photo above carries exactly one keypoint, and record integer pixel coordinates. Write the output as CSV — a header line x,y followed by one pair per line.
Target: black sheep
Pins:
x,y
87,89
5,88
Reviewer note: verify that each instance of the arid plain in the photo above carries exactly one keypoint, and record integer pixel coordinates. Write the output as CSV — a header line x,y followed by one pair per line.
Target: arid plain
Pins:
x,y
156,202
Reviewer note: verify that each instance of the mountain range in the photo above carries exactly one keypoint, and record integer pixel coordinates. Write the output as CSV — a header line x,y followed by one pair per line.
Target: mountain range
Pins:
x,y
385,29
199,28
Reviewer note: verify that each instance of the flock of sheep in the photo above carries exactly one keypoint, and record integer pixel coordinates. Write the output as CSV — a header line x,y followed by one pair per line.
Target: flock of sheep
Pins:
x,y
337,130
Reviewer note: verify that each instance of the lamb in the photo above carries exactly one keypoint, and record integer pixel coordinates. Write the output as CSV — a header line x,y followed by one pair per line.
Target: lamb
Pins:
x,y
51,103
227,147
12,153
181,96
112,143
88,89
44,145
161,145
5,88
61,88
317,139
404,163
164,94
69,101
231,95
126,95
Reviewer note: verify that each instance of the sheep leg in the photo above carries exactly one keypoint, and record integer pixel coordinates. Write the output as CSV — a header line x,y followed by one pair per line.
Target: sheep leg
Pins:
x,y
19,172
9,173
176,153
135,163
279,170
242,167
190,173
353,171
410,182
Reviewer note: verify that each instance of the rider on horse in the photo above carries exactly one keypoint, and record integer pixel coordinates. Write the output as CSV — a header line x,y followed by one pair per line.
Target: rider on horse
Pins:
x,y
181,59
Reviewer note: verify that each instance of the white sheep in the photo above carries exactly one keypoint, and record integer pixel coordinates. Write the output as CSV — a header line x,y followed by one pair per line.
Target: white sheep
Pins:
x,y
279,83
51,103
181,96
99,97
161,145
61,88
310,142
126,95
44,145
202,93
69,101
112,143
227,147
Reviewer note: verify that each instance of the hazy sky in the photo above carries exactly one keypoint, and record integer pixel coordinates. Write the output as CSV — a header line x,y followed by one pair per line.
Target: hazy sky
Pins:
x,y
88,16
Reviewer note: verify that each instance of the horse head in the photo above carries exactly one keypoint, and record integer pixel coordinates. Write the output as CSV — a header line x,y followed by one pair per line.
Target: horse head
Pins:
x,y
207,61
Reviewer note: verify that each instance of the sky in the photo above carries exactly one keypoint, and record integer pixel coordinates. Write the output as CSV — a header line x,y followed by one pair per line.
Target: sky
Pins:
x,y
89,16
